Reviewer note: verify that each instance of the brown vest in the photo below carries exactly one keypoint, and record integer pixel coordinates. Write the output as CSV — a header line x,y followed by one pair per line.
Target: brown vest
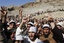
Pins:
x,y
50,38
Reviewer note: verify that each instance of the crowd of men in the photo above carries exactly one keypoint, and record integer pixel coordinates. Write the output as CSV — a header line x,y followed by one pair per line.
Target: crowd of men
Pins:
x,y
28,29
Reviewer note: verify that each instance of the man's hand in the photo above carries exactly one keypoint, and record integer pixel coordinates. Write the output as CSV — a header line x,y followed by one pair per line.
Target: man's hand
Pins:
x,y
29,15
20,10
5,13
52,25
4,10
24,20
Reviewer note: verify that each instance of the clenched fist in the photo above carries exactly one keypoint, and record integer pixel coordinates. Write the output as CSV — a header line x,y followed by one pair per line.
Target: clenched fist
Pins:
x,y
24,20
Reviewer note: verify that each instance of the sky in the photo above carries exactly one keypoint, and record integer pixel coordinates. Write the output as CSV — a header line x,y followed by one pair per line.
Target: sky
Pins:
x,y
14,2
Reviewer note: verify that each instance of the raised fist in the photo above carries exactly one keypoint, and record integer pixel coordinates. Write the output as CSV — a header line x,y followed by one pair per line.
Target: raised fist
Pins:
x,y
24,20
5,13
20,10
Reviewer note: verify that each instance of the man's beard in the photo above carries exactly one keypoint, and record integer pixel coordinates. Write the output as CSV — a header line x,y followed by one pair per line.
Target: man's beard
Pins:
x,y
46,35
32,38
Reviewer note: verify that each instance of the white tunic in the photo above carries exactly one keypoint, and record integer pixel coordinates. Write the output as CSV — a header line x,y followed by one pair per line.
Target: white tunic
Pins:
x,y
63,35
18,35
26,39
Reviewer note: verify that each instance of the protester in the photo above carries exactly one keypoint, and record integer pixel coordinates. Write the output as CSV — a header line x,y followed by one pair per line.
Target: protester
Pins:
x,y
31,38
29,29
1,36
47,34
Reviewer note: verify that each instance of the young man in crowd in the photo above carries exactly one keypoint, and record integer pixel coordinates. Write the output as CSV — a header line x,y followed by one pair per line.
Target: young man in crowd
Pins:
x,y
1,36
47,36
57,33
31,38
3,33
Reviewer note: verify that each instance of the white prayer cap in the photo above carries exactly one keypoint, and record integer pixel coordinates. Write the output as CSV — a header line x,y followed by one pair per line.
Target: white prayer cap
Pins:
x,y
46,25
32,29
59,23
18,23
30,23
12,21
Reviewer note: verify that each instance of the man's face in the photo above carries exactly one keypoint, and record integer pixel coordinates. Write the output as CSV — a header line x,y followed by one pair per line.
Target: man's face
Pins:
x,y
58,27
31,35
11,25
28,26
46,31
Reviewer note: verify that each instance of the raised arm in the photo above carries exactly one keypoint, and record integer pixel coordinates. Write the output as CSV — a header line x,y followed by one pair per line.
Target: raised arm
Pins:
x,y
23,22
20,12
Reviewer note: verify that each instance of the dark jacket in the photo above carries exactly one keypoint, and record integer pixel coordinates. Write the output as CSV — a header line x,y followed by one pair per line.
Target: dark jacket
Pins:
x,y
1,35
57,35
